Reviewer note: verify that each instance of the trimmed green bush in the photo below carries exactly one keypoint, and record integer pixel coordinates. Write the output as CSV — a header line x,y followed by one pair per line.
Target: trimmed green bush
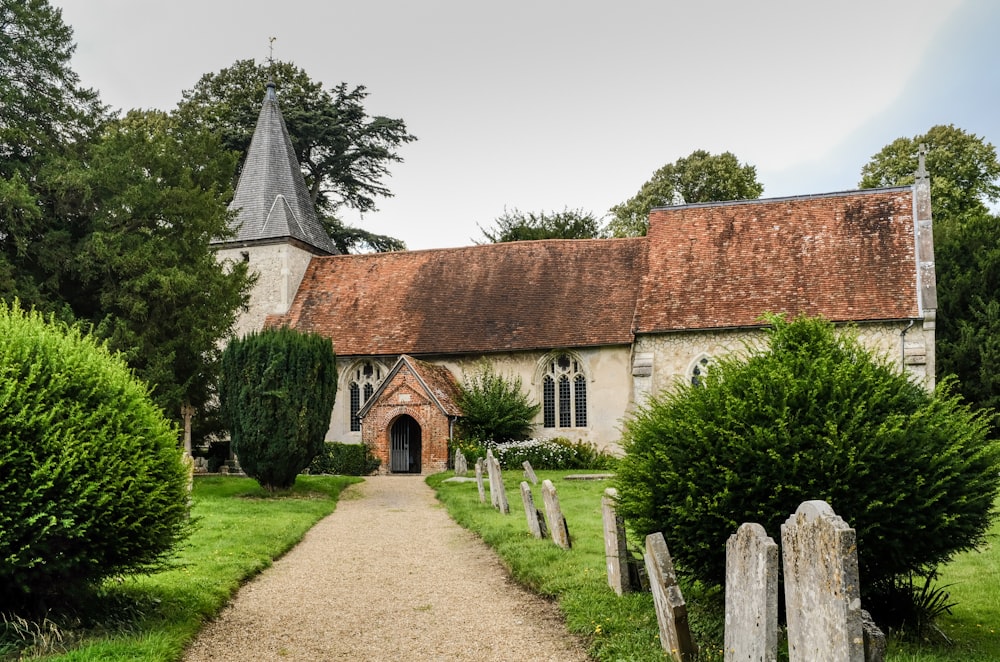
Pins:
x,y
556,453
814,415
344,460
276,392
494,407
91,479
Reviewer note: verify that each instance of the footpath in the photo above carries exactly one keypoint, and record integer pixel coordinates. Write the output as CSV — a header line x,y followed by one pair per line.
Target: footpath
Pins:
x,y
387,576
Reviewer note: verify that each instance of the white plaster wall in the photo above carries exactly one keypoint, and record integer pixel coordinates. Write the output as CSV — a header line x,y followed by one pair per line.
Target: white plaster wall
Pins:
x,y
279,269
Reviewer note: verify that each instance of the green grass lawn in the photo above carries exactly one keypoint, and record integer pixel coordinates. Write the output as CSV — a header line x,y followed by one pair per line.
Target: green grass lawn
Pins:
x,y
239,531
624,628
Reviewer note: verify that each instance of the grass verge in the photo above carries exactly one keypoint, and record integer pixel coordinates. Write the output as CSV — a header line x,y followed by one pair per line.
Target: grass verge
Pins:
x,y
624,628
239,531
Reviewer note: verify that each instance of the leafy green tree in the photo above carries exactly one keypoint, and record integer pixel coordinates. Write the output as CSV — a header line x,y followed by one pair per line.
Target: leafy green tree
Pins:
x,y
277,390
144,274
515,225
494,407
963,169
45,118
91,479
344,152
811,414
698,177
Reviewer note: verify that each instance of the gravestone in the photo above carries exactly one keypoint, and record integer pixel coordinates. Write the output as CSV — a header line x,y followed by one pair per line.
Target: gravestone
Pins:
x,y
530,473
822,596
553,513
671,611
479,480
536,521
751,596
498,496
461,464
616,554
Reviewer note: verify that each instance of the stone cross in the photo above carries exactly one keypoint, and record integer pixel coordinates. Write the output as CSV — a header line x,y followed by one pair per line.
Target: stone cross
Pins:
x,y
557,523
479,480
461,464
751,596
187,412
671,611
536,521
616,554
822,596
530,473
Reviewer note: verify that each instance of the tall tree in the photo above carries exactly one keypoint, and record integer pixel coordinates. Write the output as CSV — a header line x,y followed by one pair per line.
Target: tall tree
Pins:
x,y
45,118
515,225
344,152
964,170
146,275
698,177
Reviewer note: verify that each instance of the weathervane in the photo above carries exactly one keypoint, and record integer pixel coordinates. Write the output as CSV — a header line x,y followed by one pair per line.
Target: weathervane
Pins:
x,y
270,50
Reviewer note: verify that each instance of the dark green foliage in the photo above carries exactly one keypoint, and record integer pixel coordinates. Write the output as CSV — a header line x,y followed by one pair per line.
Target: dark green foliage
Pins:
x,y
91,479
813,416
345,460
277,391
494,408
515,225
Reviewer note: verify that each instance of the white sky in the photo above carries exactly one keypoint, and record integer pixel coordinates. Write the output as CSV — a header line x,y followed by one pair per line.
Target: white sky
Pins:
x,y
544,105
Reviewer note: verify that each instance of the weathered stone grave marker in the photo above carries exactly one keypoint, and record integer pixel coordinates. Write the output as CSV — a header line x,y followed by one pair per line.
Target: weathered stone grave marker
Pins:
x,y
498,496
751,596
461,464
536,521
529,472
671,611
616,554
479,480
557,523
822,596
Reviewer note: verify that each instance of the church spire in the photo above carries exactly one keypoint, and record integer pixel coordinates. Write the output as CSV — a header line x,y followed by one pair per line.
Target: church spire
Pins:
x,y
271,199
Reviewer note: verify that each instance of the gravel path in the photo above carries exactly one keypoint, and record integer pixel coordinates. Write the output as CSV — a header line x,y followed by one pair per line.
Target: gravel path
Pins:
x,y
387,576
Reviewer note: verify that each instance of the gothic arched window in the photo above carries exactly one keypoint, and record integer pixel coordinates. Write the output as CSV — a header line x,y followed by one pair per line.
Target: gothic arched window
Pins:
x,y
699,370
364,378
564,393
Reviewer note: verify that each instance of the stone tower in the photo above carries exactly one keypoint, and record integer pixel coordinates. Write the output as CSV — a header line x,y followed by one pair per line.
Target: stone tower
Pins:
x,y
275,227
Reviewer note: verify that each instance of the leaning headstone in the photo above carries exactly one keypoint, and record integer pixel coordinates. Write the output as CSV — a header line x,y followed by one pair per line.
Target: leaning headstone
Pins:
x,y
530,473
822,596
498,495
616,554
671,611
479,480
751,596
461,464
557,523
536,521
875,643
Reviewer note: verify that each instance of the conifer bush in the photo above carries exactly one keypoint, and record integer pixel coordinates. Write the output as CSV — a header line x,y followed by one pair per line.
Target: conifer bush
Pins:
x,y
811,414
276,392
91,479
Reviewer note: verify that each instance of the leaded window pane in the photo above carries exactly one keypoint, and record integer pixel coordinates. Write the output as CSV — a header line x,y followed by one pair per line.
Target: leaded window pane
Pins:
x,y
580,400
565,406
355,407
548,402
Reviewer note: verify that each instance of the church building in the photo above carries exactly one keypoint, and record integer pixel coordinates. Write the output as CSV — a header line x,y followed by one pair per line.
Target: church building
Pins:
x,y
591,326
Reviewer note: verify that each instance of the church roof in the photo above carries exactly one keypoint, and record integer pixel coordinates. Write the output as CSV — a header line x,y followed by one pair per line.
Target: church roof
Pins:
x,y
271,197
845,256
490,298
436,380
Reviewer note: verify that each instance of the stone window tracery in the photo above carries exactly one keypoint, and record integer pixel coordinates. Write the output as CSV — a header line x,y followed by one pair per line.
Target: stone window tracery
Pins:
x,y
699,370
364,379
564,393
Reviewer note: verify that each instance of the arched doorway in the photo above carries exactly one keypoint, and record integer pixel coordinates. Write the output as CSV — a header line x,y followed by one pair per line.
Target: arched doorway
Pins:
x,y
404,446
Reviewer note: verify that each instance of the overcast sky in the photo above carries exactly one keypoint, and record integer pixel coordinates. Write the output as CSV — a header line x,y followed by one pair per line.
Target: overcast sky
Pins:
x,y
547,105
